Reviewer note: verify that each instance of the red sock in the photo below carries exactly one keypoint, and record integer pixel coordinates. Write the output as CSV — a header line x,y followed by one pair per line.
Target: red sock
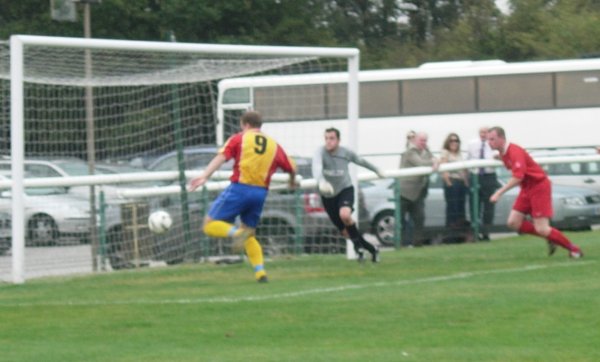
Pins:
x,y
558,238
528,228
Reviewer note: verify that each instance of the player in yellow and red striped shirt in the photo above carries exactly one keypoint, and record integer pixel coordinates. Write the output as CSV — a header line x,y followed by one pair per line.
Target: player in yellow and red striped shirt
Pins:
x,y
257,156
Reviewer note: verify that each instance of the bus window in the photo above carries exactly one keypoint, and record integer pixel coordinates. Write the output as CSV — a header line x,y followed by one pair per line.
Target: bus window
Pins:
x,y
236,95
578,89
444,95
231,122
377,99
515,92
336,101
380,99
290,103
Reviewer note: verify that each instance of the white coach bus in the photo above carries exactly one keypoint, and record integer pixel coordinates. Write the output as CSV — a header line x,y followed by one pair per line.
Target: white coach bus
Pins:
x,y
540,104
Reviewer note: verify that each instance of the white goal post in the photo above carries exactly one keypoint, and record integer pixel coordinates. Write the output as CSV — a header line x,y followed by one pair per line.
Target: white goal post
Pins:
x,y
167,63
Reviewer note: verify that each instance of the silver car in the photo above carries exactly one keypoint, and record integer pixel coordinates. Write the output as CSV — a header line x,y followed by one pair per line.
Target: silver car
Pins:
x,y
279,220
54,216
64,167
51,216
575,208
583,174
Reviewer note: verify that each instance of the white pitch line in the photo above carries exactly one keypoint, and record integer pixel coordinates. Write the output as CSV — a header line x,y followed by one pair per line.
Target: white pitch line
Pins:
x,y
300,293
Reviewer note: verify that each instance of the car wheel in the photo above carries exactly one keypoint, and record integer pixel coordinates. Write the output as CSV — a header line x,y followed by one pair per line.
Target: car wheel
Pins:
x,y
383,227
275,236
41,231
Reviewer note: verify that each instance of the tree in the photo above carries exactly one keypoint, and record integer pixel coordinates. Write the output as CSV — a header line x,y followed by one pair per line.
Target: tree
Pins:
x,y
475,35
390,33
545,29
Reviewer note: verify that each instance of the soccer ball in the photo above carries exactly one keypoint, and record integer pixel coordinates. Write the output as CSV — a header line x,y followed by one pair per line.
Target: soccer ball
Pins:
x,y
325,188
159,221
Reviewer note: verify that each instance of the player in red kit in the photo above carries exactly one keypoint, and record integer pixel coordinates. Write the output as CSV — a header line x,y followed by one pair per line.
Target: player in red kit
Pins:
x,y
535,197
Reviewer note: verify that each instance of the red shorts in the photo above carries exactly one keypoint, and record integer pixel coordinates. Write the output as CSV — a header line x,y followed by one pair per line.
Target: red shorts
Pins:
x,y
535,200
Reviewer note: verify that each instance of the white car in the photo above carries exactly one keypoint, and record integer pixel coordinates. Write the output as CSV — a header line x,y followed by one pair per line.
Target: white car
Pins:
x,y
583,174
51,216
54,216
62,167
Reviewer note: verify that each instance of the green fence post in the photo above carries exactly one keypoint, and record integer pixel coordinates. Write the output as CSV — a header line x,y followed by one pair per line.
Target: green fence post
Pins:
x,y
102,231
299,229
203,211
397,215
475,205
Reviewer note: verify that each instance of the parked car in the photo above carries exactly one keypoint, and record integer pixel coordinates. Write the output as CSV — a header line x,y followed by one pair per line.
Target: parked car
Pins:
x,y
51,167
278,226
54,216
5,232
575,208
51,216
195,158
108,168
583,174
65,167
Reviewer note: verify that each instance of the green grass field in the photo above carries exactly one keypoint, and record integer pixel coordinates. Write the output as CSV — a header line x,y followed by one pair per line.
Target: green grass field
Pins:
x,y
499,301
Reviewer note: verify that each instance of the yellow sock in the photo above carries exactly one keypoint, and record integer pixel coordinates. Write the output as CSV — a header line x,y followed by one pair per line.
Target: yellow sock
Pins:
x,y
219,229
255,255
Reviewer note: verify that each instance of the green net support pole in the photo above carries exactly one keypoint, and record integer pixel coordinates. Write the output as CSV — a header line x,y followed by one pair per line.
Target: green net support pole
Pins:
x,y
203,211
102,231
475,221
299,229
397,215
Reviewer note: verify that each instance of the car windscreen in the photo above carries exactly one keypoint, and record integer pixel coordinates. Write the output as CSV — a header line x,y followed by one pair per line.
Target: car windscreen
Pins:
x,y
74,168
193,161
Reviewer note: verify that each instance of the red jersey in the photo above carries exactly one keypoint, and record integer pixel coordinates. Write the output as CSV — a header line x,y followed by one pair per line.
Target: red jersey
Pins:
x,y
257,157
523,166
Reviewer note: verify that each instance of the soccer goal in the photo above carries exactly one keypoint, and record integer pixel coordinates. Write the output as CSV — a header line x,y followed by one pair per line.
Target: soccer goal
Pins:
x,y
97,134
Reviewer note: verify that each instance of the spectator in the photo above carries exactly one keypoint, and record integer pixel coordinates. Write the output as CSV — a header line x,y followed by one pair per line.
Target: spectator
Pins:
x,y
487,181
413,189
410,139
407,225
455,191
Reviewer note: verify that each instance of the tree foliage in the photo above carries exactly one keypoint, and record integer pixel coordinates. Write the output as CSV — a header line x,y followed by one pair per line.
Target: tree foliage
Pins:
x,y
390,33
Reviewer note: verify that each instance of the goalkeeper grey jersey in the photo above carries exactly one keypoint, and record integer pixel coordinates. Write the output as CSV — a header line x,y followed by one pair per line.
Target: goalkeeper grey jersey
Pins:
x,y
333,167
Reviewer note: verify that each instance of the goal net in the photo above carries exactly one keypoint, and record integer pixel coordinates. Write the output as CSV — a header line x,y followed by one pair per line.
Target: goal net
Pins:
x,y
103,133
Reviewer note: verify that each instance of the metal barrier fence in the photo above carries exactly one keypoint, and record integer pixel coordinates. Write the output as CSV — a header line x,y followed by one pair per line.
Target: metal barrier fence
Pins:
x,y
293,221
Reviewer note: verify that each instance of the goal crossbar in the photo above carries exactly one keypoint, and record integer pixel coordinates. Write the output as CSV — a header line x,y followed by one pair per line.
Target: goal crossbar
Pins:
x,y
183,47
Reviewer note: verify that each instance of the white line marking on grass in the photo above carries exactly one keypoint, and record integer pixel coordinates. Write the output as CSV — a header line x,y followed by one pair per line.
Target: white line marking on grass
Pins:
x,y
300,293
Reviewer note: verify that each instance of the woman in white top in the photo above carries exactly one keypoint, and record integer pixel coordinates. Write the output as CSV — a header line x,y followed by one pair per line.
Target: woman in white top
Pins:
x,y
456,186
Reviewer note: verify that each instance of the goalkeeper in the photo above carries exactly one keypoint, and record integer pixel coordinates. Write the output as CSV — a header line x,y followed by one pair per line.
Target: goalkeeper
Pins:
x,y
330,169
256,156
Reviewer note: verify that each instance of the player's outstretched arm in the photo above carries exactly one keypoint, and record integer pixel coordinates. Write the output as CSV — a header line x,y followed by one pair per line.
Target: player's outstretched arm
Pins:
x,y
366,164
213,165
292,181
512,182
